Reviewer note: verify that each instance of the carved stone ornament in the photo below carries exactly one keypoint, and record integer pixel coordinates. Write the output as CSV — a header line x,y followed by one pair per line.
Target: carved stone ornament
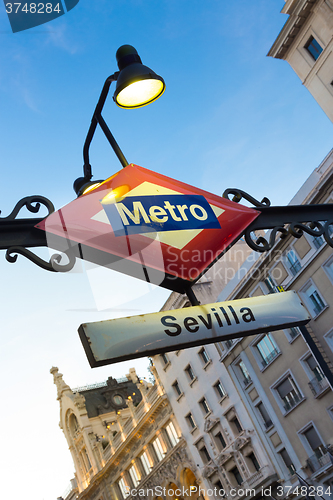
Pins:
x,y
79,401
209,469
59,381
241,442
223,457
209,423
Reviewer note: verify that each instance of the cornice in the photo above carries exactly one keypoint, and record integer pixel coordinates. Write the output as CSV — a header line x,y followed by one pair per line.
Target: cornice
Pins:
x,y
292,27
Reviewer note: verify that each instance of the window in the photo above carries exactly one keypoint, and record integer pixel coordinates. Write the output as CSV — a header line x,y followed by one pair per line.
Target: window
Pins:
x,y
229,343
315,369
203,452
313,47
189,373
172,434
314,441
158,449
134,476
219,389
204,406
318,241
204,356
124,489
219,441
190,421
176,388
219,489
287,461
237,428
264,415
267,349
235,472
164,359
270,285
293,332
313,300
293,263
245,373
329,269
145,462
253,459
289,393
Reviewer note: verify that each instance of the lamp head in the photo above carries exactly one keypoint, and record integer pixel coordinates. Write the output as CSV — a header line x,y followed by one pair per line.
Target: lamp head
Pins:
x,y
137,85
82,185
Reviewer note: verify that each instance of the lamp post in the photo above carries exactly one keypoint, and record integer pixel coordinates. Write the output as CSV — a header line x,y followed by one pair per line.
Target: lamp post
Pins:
x,y
137,86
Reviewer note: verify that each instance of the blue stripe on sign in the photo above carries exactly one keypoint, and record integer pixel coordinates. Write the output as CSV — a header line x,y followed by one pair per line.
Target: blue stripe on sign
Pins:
x,y
176,212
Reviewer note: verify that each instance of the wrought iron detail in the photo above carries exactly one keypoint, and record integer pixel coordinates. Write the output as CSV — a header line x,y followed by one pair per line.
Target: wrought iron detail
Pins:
x,y
28,203
294,220
261,244
239,195
53,265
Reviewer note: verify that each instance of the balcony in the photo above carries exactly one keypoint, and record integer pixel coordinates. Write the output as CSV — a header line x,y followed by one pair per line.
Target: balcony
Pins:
x,y
318,386
317,461
269,358
294,399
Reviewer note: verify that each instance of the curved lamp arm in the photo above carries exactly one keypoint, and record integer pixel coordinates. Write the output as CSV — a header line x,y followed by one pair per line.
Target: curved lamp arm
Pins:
x,y
98,119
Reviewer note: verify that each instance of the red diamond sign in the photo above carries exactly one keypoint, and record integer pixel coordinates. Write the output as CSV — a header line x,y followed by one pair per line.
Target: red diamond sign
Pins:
x,y
149,226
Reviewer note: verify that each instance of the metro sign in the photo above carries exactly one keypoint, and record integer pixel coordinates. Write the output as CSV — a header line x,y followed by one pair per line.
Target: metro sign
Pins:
x,y
149,226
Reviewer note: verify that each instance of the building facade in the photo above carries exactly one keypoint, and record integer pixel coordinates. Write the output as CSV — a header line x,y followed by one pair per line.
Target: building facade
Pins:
x,y
124,441
306,43
280,381
258,410
227,449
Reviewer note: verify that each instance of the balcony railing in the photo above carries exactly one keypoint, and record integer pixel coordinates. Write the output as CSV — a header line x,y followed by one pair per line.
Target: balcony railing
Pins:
x,y
268,424
295,267
318,386
316,462
272,355
294,400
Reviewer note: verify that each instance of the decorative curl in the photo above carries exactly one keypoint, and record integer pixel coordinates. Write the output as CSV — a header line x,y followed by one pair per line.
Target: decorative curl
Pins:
x,y
239,195
53,265
261,244
297,229
28,203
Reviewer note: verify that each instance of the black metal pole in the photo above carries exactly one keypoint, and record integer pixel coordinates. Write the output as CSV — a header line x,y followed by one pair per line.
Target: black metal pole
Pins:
x,y
317,355
191,296
97,118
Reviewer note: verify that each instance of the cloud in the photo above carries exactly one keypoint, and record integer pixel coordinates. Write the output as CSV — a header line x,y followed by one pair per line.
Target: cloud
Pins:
x,y
59,38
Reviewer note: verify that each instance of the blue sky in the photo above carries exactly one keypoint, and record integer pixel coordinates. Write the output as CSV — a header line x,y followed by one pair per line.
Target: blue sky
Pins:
x,y
230,117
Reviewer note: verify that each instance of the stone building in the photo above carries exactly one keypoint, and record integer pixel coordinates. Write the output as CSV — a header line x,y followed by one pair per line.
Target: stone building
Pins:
x,y
285,391
306,43
257,410
211,415
124,441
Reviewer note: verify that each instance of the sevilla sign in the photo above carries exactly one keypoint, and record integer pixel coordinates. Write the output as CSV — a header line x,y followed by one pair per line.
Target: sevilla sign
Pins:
x,y
107,342
149,226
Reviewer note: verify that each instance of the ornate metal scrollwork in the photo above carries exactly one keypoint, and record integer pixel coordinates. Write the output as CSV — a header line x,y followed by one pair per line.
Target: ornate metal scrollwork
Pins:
x,y
261,244
28,203
294,220
239,195
17,234
53,264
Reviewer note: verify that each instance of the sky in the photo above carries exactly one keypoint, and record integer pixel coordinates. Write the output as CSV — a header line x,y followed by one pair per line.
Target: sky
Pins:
x,y
230,117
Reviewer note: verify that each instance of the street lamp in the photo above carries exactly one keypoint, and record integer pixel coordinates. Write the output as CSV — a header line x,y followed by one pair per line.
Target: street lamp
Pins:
x,y
137,86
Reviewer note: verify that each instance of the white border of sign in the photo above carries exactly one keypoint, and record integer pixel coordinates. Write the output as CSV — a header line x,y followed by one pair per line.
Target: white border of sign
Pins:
x,y
115,340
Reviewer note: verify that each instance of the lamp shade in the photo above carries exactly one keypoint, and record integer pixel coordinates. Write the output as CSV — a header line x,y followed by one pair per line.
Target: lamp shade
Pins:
x,y
137,85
